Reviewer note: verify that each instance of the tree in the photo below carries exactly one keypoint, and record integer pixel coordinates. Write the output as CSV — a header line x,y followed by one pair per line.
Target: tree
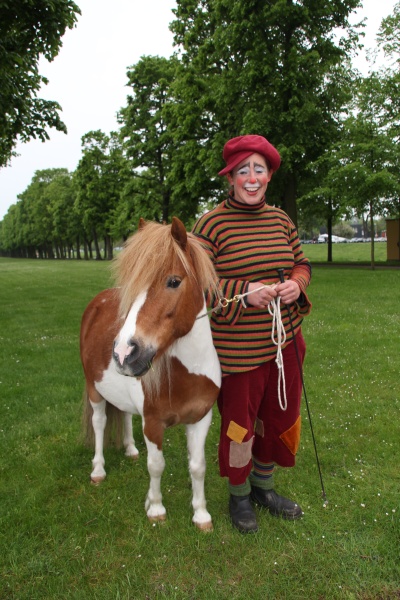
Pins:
x,y
343,229
324,200
147,139
368,183
370,147
60,196
29,229
388,37
27,31
11,233
360,170
389,40
99,185
272,68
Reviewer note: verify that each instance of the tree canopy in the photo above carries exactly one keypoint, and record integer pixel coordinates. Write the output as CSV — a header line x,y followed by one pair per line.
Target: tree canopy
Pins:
x,y
281,69
272,68
41,224
147,139
29,30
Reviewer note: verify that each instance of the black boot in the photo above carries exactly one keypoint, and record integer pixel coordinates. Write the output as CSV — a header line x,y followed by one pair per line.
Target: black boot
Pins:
x,y
277,505
242,514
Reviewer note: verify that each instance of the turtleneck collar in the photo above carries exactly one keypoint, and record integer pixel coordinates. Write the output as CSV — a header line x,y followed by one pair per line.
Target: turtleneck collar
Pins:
x,y
231,202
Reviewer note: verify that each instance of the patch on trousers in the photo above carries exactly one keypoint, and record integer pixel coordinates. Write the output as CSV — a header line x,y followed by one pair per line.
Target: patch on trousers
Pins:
x,y
236,432
291,437
259,427
240,454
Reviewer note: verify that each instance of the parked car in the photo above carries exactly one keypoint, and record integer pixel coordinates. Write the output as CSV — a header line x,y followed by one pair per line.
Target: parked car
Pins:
x,y
335,238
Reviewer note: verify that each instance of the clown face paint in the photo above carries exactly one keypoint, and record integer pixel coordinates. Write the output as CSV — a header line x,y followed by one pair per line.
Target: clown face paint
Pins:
x,y
250,179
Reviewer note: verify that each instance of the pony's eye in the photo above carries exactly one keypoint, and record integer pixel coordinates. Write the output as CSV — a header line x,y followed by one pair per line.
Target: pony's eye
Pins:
x,y
174,282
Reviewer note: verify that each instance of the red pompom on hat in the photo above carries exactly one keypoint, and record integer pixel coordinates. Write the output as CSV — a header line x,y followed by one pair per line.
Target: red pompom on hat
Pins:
x,y
239,148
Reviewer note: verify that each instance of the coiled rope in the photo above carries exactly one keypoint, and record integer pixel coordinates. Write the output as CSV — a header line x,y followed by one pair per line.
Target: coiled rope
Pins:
x,y
278,337
278,334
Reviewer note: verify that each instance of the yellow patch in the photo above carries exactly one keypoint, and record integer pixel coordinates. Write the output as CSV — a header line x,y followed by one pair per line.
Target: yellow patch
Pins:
x,y
236,432
291,437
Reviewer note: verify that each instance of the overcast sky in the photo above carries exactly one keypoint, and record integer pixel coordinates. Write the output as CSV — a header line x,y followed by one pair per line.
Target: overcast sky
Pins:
x,y
88,77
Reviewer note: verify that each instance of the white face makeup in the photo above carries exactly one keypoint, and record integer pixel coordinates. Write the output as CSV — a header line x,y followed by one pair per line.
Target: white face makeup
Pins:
x,y
250,179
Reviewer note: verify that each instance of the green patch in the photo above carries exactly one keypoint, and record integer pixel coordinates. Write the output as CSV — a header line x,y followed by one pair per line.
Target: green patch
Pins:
x,y
61,537
347,253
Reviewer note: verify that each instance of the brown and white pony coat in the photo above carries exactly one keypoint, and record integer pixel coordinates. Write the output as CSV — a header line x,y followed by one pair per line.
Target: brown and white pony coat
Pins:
x,y
147,350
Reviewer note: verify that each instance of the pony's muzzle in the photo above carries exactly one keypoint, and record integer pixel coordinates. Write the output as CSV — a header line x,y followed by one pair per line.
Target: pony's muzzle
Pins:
x,y
133,360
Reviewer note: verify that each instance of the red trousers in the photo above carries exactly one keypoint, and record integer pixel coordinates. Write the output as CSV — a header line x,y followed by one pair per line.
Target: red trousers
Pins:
x,y
252,422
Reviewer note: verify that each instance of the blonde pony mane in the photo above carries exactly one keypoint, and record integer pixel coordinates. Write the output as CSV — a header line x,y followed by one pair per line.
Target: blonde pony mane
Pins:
x,y
150,253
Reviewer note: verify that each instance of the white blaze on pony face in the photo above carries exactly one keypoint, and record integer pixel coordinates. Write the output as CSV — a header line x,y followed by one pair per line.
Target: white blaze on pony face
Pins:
x,y
122,347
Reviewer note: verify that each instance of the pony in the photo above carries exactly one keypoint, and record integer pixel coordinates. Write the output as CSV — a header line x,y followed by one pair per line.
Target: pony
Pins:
x,y
147,350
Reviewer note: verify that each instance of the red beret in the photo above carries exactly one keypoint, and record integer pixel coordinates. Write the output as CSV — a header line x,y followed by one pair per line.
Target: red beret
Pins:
x,y
239,148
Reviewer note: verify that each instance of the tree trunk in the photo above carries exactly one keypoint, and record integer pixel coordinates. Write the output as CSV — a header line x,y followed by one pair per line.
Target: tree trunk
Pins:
x,y
365,226
108,247
96,245
85,249
78,248
329,231
165,209
371,212
289,204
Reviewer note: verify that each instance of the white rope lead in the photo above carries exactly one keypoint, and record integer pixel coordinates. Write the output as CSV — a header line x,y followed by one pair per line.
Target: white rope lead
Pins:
x,y
278,337
274,308
278,331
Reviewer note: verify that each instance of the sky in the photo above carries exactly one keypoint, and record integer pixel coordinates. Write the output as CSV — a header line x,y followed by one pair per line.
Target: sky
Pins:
x,y
88,77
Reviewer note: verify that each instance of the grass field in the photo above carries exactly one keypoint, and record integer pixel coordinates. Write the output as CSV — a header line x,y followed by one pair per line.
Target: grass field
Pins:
x,y
344,253
61,537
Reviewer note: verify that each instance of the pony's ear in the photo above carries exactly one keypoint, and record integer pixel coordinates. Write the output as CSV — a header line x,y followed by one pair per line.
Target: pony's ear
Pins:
x,y
142,223
178,232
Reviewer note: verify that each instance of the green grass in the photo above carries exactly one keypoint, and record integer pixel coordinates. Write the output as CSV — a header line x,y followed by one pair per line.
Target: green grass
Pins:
x,y
347,253
61,537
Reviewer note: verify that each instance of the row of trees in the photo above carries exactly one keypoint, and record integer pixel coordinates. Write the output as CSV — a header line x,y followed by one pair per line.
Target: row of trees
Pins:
x,y
279,69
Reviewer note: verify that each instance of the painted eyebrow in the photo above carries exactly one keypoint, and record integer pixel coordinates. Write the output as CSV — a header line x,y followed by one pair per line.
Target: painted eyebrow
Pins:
x,y
255,164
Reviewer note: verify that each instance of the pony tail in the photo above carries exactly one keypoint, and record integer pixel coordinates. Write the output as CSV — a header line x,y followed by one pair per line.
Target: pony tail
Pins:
x,y
114,431
87,431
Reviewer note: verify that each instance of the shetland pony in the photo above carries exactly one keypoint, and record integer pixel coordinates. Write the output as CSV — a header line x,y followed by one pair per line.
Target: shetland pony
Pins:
x,y
147,350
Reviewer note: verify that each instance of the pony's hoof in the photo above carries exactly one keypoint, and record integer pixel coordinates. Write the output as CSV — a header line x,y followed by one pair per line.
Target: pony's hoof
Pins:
x,y
158,519
132,452
133,457
97,480
208,527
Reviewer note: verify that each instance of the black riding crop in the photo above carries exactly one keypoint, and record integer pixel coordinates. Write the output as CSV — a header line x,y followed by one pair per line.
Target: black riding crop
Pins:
x,y
282,280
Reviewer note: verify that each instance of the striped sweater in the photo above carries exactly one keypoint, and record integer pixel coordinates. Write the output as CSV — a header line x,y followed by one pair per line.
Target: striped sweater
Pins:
x,y
249,243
